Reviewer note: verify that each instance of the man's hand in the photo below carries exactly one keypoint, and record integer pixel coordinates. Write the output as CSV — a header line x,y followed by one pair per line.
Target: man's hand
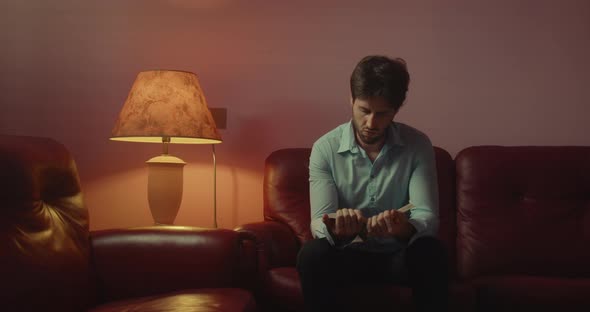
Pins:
x,y
347,225
390,223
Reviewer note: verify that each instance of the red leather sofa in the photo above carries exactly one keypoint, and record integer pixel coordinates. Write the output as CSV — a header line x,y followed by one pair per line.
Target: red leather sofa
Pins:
x,y
515,220
523,227
50,261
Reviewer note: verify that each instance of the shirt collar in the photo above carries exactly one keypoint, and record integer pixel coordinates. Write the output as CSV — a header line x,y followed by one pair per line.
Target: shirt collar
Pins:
x,y
348,141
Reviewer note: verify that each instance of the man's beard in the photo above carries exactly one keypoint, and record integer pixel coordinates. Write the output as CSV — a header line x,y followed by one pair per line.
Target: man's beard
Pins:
x,y
368,140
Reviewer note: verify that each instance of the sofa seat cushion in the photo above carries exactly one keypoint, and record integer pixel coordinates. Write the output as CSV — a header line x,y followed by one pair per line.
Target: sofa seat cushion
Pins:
x,y
530,293
282,288
202,300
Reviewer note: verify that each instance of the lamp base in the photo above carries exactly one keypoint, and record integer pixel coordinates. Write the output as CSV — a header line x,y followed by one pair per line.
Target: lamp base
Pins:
x,y
165,179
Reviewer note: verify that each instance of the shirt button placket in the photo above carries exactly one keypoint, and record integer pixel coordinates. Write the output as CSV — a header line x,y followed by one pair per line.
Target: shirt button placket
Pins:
x,y
371,189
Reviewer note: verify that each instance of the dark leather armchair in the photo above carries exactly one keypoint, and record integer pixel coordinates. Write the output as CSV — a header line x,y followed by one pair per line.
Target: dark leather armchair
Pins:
x,y
50,261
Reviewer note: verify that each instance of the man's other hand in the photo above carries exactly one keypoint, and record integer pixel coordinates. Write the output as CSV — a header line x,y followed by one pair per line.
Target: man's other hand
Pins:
x,y
390,223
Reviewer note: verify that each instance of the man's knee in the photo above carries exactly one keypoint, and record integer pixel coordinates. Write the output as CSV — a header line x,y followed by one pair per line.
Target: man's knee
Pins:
x,y
427,246
427,252
314,254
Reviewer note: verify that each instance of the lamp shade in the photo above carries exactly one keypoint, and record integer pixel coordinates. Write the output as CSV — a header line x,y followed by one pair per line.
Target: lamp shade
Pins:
x,y
166,104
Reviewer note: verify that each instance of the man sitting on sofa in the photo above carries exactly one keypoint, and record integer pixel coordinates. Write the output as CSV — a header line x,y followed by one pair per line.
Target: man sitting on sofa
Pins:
x,y
363,171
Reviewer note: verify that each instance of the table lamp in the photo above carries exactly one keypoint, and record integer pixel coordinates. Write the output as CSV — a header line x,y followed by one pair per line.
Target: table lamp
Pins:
x,y
167,107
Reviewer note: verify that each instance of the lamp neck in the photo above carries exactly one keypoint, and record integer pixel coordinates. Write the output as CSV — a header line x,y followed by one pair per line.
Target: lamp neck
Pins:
x,y
166,142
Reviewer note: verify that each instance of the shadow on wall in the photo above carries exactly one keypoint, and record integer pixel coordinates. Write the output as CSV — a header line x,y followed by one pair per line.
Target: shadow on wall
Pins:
x,y
247,150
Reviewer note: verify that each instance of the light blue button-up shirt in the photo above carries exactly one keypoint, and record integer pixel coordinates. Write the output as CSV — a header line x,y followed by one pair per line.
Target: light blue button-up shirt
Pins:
x,y
341,175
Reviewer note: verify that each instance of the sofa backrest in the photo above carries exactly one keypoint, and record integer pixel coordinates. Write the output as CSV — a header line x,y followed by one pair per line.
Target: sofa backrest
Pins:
x,y
43,228
523,210
286,192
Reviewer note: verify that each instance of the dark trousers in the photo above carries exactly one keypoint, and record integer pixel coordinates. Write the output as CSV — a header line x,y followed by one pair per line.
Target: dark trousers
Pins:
x,y
327,272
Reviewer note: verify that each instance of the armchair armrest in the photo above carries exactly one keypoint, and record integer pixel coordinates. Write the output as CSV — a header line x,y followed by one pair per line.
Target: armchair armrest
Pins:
x,y
153,260
276,244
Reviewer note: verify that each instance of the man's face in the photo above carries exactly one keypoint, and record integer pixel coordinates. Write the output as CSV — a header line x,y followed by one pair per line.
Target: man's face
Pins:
x,y
370,118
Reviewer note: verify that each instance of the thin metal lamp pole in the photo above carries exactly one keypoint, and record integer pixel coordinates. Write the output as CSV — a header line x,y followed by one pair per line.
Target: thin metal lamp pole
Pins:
x,y
214,188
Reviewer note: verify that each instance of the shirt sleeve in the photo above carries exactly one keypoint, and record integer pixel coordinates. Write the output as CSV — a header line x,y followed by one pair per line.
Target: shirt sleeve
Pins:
x,y
323,195
423,191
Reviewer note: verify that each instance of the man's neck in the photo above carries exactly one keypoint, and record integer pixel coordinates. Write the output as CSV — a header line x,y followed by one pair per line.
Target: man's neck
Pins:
x,y
372,150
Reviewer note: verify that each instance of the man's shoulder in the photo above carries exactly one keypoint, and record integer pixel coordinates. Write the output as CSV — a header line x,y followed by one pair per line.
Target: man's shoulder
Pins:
x,y
332,138
412,136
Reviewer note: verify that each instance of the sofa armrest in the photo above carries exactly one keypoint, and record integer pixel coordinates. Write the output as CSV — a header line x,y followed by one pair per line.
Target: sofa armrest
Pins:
x,y
153,260
276,244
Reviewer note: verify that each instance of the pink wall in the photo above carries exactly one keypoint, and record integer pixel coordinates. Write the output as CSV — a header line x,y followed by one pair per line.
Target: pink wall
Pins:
x,y
505,72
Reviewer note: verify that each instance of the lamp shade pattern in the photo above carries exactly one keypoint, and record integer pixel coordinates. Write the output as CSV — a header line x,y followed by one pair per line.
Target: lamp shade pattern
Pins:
x,y
166,104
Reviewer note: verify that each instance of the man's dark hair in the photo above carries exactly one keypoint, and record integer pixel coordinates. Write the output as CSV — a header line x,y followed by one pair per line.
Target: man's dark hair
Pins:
x,y
380,76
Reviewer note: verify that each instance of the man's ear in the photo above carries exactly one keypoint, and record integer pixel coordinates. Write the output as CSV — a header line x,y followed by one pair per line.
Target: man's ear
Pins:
x,y
351,101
